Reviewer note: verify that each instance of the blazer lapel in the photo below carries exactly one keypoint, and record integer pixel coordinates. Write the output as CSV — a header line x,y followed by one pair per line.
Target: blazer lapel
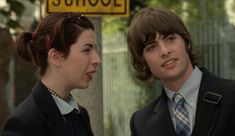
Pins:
x,y
207,82
163,118
56,123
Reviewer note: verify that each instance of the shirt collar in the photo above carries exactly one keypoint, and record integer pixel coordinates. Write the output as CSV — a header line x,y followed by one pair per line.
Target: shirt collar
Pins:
x,y
66,107
190,87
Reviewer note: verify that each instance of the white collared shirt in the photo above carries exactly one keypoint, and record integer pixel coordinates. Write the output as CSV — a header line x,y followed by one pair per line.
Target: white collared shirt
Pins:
x,y
66,107
189,91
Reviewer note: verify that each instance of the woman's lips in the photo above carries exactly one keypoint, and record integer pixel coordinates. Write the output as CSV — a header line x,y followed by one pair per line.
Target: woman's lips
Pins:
x,y
90,75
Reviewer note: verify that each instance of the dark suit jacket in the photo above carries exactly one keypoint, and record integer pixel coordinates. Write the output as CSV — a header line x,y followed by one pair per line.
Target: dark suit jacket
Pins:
x,y
38,115
155,120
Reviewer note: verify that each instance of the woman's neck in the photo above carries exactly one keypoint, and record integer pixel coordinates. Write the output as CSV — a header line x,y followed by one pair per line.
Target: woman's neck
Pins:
x,y
58,87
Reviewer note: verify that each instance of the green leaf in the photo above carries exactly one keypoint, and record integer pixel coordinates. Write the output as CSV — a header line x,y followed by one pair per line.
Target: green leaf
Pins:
x,y
5,13
17,7
32,1
13,24
8,1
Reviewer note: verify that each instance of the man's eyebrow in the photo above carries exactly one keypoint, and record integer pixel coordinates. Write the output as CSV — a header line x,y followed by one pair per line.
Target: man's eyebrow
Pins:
x,y
150,42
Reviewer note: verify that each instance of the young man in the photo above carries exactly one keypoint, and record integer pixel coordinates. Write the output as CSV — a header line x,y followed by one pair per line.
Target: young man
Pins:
x,y
193,101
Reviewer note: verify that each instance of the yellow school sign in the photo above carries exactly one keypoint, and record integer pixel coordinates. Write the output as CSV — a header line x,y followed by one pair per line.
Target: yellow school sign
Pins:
x,y
89,7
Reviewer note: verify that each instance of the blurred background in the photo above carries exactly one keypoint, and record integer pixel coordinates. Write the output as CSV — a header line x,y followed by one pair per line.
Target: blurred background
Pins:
x,y
118,92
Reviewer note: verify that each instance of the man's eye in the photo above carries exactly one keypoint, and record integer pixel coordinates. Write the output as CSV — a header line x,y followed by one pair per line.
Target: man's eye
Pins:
x,y
170,38
150,47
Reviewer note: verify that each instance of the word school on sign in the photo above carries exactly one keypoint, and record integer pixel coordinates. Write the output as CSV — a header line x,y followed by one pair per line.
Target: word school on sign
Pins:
x,y
86,2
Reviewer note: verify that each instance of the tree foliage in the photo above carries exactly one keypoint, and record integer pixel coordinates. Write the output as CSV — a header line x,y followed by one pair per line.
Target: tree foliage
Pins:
x,y
11,13
196,10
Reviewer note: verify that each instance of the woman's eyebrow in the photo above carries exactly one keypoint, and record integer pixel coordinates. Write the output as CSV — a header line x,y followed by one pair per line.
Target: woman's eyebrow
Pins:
x,y
91,45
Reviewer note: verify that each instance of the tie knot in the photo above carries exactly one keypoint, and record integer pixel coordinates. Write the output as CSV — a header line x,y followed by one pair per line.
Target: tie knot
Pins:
x,y
178,98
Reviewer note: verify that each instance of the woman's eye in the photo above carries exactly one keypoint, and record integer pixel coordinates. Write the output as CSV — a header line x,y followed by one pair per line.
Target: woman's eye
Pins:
x,y
87,50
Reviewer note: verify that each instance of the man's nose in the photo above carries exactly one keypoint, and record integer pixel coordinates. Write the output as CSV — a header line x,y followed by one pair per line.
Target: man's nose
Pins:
x,y
165,50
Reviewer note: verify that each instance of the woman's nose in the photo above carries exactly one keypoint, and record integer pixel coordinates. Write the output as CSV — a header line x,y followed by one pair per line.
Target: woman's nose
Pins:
x,y
97,59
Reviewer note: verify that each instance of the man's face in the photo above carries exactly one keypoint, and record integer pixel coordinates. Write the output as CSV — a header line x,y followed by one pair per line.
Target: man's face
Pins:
x,y
167,58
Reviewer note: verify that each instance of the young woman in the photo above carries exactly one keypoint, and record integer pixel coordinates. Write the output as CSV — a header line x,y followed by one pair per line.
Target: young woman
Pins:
x,y
64,48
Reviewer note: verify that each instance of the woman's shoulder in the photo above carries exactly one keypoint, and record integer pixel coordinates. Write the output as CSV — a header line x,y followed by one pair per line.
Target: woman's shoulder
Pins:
x,y
26,119
28,109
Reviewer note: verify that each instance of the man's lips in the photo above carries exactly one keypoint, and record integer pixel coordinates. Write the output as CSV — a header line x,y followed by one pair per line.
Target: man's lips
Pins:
x,y
169,63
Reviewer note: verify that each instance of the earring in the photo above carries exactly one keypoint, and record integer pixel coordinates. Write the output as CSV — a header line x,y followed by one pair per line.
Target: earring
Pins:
x,y
189,47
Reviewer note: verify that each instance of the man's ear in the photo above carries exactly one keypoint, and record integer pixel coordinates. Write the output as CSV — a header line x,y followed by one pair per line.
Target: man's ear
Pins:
x,y
55,57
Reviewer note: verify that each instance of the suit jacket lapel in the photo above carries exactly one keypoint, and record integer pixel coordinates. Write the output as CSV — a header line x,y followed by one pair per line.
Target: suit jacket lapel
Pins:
x,y
163,118
56,123
207,82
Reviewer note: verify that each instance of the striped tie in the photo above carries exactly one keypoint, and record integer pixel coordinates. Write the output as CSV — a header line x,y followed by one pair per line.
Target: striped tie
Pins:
x,y
181,116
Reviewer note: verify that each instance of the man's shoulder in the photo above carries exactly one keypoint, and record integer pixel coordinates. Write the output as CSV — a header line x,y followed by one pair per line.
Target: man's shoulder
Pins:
x,y
148,108
217,80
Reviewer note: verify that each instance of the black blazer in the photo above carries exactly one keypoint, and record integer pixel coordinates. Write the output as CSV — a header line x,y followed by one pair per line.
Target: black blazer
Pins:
x,y
38,115
155,119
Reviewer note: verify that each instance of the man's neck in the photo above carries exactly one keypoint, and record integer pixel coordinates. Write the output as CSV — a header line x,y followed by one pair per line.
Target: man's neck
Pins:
x,y
176,84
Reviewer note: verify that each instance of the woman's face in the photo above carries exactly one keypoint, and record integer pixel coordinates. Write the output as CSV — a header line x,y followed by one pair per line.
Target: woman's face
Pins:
x,y
78,67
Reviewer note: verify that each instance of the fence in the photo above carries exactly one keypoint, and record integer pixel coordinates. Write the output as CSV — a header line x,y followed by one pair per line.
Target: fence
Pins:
x,y
215,42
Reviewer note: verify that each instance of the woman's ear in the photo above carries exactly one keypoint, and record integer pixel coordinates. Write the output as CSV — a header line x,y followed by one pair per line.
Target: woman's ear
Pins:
x,y
189,47
54,57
